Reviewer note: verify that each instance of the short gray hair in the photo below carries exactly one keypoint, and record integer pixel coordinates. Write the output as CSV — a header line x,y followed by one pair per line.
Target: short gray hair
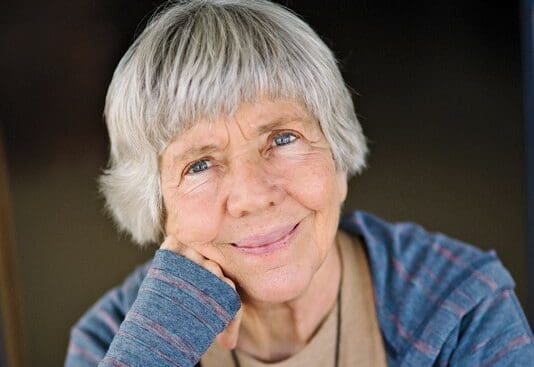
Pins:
x,y
201,59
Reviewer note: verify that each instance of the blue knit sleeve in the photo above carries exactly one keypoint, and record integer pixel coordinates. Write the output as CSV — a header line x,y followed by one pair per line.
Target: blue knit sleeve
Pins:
x,y
178,310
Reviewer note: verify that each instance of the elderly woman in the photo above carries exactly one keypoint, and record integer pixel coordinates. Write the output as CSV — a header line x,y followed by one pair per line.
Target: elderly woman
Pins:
x,y
232,139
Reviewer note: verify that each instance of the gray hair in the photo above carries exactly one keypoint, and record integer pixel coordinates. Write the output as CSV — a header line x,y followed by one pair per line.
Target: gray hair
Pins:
x,y
201,59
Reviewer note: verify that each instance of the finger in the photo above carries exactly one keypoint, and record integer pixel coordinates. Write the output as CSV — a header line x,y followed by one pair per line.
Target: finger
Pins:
x,y
229,281
213,267
171,244
228,338
192,254
179,248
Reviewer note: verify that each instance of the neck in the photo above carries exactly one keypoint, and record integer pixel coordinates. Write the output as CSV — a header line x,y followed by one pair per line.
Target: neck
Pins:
x,y
274,332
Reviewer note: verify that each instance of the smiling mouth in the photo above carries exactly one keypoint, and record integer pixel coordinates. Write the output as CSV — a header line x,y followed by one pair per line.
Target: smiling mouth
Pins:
x,y
267,243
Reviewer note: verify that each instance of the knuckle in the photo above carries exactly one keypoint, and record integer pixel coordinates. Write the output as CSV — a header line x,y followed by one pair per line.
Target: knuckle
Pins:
x,y
188,251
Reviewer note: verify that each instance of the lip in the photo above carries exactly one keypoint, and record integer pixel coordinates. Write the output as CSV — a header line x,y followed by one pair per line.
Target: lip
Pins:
x,y
268,242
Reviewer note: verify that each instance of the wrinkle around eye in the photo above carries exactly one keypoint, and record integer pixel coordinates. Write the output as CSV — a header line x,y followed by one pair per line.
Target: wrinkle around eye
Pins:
x,y
190,187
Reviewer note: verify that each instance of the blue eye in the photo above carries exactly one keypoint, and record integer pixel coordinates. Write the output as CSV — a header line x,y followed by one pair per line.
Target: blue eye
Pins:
x,y
283,139
198,166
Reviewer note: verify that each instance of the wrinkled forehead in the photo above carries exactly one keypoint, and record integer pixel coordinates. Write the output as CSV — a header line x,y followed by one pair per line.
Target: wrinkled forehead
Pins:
x,y
260,117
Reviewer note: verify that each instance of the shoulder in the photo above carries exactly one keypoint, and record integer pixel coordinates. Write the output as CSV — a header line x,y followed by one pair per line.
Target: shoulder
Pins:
x,y
415,254
409,252
425,283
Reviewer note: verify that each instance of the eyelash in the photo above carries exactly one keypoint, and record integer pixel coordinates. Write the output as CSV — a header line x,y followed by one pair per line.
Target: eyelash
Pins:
x,y
191,168
285,134
205,163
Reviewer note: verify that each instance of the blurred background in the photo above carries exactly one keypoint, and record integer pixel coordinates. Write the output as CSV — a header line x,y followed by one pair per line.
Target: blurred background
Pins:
x,y
437,86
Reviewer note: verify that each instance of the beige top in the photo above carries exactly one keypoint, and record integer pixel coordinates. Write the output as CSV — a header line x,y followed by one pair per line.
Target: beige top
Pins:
x,y
360,338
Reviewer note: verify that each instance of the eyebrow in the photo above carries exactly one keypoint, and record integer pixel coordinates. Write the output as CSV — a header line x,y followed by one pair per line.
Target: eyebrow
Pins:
x,y
276,123
195,152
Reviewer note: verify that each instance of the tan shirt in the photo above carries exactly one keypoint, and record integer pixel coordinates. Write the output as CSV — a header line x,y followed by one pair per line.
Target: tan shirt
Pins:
x,y
360,338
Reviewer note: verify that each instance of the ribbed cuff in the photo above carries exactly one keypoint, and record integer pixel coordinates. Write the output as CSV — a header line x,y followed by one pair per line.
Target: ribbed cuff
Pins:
x,y
179,310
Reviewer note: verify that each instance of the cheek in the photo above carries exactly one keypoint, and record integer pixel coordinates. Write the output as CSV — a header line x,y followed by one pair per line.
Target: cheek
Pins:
x,y
192,214
311,180
309,177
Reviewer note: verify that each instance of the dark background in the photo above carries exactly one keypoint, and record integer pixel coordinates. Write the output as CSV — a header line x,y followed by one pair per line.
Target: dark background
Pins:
x,y
437,88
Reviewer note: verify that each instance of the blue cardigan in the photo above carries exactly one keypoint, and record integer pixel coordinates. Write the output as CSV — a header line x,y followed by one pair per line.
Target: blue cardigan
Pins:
x,y
440,302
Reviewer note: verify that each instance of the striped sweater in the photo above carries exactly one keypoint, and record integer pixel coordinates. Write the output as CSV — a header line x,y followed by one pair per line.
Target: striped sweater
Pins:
x,y
440,302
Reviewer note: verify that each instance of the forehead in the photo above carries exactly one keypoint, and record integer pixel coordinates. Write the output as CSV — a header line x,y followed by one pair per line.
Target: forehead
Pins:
x,y
255,115
251,119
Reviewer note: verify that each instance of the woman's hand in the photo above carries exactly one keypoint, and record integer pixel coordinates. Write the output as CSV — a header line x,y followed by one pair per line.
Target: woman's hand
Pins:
x,y
228,338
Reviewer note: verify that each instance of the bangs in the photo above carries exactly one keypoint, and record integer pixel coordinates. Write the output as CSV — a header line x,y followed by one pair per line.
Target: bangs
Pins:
x,y
205,66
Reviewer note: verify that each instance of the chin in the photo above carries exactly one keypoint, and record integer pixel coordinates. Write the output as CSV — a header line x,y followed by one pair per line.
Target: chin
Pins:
x,y
277,285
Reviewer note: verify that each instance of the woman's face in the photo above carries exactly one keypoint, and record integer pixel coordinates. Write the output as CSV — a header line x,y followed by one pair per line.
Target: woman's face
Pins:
x,y
258,193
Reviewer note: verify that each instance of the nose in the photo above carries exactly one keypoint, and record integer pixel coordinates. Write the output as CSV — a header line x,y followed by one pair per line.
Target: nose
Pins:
x,y
253,189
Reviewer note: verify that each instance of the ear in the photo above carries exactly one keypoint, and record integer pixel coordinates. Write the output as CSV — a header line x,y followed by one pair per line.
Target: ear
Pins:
x,y
342,185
